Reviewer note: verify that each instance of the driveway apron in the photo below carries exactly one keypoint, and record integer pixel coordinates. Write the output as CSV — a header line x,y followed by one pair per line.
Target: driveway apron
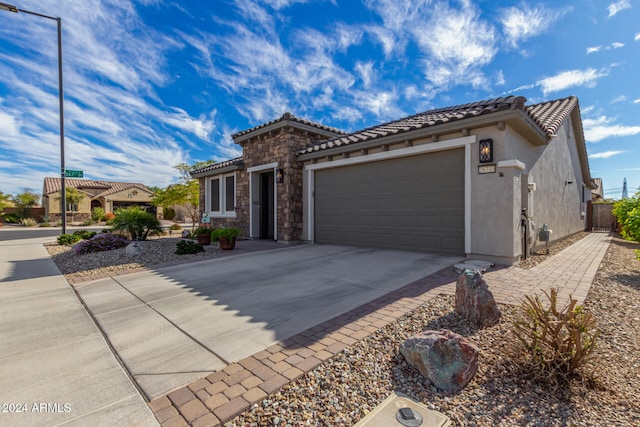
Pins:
x,y
172,325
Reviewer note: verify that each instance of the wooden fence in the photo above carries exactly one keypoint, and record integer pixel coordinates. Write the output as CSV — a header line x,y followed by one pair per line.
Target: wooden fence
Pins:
x,y
602,219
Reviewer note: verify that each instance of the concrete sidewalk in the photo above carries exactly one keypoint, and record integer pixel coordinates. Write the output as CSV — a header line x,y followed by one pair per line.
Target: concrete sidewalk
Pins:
x,y
55,366
224,394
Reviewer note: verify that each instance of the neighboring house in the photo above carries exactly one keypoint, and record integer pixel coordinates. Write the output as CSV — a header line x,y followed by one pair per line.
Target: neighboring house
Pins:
x,y
597,192
108,195
453,180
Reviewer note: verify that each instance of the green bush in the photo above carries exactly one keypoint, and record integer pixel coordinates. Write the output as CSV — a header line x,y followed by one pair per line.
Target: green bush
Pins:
x,y
187,247
136,222
97,214
627,211
168,213
101,243
84,234
175,227
228,233
45,224
12,218
558,340
68,239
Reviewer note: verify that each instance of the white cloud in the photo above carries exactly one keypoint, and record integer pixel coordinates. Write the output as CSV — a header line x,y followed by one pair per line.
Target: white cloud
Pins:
x,y
617,99
593,49
636,101
602,127
571,78
366,72
522,22
614,45
605,154
617,45
614,8
636,37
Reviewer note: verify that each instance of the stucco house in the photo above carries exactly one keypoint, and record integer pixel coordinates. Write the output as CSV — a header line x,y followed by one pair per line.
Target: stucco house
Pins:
x,y
108,195
452,180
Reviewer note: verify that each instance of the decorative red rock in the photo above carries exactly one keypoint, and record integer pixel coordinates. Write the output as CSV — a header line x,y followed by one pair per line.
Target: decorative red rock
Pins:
x,y
474,300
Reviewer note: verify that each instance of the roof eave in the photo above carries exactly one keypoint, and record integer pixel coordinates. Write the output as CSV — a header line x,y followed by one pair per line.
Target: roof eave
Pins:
x,y
219,171
517,119
576,120
282,124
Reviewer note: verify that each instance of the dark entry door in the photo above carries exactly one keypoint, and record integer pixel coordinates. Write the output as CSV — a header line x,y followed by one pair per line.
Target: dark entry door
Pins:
x,y
266,206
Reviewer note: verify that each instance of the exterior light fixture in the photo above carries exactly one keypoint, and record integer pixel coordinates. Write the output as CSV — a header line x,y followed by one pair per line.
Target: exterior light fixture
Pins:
x,y
63,195
486,150
279,176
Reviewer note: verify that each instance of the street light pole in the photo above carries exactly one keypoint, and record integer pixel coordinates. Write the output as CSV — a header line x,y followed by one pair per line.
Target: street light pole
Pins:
x,y
63,191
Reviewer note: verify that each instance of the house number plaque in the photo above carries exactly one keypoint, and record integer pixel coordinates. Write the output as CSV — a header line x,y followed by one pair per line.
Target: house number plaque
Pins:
x,y
487,169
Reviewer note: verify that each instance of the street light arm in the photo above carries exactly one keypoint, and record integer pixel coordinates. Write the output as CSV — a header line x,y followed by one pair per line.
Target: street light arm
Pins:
x,y
11,8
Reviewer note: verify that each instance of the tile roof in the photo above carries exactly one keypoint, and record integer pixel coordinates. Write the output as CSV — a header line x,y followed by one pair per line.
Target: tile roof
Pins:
x,y
548,116
52,185
232,162
290,117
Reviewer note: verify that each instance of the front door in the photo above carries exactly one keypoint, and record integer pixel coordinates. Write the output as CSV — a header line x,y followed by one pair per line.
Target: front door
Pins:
x,y
266,205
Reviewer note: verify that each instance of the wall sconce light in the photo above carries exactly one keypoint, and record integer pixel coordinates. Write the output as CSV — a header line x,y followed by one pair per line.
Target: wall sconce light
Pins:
x,y
279,176
486,150
568,182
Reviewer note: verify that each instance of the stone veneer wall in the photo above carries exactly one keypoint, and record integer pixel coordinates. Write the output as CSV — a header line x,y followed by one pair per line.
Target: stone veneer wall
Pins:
x,y
275,146
281,146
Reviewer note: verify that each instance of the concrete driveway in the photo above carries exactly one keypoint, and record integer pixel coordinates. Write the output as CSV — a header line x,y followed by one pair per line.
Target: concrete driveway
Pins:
x,y
173,325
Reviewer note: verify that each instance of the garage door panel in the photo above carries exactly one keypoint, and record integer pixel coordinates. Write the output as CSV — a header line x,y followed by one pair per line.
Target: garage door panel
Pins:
x,y
413,203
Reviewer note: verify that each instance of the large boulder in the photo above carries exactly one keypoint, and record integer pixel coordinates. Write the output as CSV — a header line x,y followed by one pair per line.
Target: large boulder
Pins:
x,y
133,249
474,300
445,358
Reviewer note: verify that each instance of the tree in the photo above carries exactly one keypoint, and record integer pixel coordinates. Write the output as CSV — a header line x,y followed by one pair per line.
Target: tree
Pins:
x,y
5,201
25,201
186,192
136,221
73,196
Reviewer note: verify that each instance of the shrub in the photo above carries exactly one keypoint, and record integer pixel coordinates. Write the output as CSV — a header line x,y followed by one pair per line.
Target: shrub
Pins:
x,y
201,230
109,216
101,243
45,224
175,227
627,211
84,234
97,214
228,233
12,218
558,341
168,213
68,239
136,222
28,222
186,247
88,222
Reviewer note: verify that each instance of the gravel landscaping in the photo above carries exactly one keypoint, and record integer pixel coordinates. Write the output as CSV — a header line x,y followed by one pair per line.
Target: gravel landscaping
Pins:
x,y
503,392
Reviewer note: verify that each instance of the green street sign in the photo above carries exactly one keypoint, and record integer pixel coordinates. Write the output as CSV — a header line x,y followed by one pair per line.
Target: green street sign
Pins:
x,y
72,174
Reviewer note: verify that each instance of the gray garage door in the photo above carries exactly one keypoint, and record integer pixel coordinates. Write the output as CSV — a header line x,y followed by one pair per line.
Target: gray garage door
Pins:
x,y
412,203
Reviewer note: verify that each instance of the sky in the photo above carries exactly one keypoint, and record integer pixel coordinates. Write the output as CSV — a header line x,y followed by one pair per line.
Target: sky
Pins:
x,y
149,84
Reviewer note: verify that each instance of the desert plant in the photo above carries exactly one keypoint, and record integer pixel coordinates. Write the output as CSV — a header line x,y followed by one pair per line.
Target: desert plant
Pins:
x,y
137,222
28,222
25,201
45,224
68,239
97,214
227,233
175,227
11,218
101,243
109,216
88,222
186,247
201,230
558,340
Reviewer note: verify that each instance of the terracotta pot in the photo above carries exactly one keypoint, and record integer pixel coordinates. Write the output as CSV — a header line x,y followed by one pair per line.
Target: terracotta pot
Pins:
x,y
204,239
226,243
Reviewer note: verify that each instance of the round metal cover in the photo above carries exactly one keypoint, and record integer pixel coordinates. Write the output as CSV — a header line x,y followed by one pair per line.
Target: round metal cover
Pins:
x,y
408,417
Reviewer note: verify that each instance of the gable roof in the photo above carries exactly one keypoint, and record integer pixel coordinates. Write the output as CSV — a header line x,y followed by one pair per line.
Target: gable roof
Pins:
x,y
285,120
221,167
547,116
53,185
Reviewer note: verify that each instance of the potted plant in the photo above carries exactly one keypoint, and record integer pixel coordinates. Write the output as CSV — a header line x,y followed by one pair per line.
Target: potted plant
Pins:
x,y
203,235
226,237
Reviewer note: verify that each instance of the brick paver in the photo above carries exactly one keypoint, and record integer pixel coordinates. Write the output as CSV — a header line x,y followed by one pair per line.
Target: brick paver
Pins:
x,y
225,394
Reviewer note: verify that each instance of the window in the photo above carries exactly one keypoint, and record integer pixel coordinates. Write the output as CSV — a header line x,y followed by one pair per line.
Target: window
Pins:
x,y
222,195
72,207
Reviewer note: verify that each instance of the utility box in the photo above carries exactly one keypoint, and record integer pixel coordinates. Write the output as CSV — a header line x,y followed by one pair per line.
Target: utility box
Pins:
x,y
544,235
399,410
